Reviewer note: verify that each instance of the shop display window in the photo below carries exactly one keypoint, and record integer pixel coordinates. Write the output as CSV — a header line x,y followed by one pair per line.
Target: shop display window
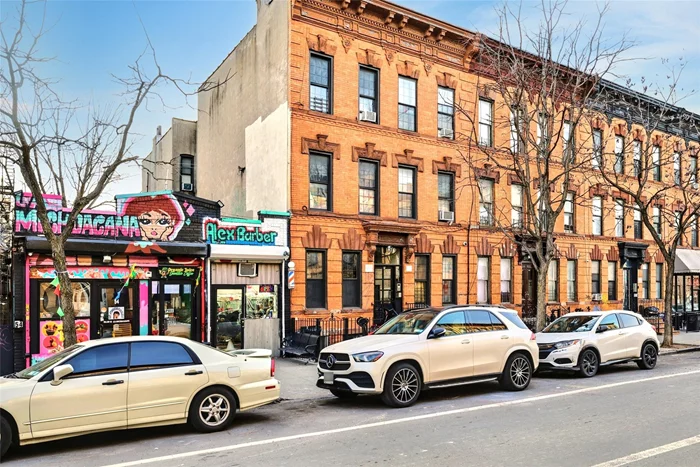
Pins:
x,y
49,302
261,301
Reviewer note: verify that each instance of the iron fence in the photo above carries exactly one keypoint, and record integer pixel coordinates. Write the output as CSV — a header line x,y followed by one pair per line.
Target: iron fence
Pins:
x,y
332,330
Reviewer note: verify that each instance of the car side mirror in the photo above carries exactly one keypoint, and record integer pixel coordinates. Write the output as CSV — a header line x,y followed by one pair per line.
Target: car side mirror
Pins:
x,y
60,372
602,328
436,332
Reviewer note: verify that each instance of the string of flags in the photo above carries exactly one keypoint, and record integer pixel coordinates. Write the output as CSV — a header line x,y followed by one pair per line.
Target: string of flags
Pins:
x,y
57,292
132,275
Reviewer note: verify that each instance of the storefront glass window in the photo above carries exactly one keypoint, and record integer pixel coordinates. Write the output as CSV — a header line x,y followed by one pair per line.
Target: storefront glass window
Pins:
x,y
49,303
229,303
178,310
116,311
261,301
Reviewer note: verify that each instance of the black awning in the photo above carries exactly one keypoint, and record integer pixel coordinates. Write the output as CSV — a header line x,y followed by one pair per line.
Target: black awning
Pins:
x,y
108,247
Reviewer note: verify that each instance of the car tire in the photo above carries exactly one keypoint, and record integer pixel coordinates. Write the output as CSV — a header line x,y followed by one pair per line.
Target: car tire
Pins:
x,y
588,363
343,394
213,409
5,437
649,357
517,373
402,385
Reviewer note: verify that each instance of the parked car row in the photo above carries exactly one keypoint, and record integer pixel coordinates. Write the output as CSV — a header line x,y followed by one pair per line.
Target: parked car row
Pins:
x,y
436,348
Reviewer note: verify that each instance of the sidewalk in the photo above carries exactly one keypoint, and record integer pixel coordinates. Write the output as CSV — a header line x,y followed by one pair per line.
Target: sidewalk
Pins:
x,y
298,380
682,342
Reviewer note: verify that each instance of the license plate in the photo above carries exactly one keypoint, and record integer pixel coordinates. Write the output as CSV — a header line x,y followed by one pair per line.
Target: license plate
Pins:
x,y
328,378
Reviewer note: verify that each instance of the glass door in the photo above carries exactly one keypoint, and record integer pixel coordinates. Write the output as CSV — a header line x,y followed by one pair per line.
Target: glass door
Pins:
x,y
116,307
227,313
172,309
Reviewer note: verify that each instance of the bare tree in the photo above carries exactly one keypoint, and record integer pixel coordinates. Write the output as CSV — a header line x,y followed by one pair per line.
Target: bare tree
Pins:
x,y
536,86
64,147
661,182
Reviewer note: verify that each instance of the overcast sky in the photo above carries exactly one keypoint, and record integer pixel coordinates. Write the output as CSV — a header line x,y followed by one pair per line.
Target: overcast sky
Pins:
x,y
93,39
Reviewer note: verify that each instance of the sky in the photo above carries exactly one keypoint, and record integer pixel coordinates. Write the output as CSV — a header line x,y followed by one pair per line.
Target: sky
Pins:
x,y
93,39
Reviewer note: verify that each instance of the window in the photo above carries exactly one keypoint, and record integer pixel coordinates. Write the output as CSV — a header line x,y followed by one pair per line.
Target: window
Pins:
x,y
150,355
659,280
187,173
369,185
449,289
571,290
479,321
369,94
351,280
567,142
569,224
595,277
516,201
677,224
407,103
612,280
656,219
446,192
628,321
676,168
637,223
656,162
693,175
506,280
446,112
645,280
497,324
694,231
407,192
483,290
597,212
101,360
553,281
421,292
542,132
315,279
454,323
320,83
619,218
610,321
619,154
485,201
597,160
485,122
49,302
320,182
517,130
637,158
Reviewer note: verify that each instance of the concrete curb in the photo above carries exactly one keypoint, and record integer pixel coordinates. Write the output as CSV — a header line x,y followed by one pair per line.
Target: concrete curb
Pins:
x,y
695,348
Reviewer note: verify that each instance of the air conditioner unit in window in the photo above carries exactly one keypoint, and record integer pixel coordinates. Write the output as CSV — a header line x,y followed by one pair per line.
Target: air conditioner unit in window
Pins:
x,y
367,116
446,133
187,187
596,297
247,269
447,216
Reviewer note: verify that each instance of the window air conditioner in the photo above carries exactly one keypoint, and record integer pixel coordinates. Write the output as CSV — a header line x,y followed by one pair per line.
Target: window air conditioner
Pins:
x,y
367,116
247,269
446,133
596,297
187,187
448,216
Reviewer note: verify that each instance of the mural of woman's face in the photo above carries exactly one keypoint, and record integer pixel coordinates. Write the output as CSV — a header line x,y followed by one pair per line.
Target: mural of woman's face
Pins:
x,y
156,226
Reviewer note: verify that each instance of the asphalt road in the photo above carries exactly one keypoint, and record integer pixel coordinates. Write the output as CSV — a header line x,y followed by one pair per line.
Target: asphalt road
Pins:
x,y
623,416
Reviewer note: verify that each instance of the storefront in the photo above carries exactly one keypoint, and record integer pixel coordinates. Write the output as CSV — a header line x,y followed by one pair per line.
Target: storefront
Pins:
x,y
138,270
246,280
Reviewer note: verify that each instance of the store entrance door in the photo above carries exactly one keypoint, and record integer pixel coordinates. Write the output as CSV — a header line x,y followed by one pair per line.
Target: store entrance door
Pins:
x,y
227,316
387,283
117,317
173,310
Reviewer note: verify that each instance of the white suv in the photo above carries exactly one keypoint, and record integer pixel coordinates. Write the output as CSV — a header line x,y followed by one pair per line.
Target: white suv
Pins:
x,y
432,348
585,341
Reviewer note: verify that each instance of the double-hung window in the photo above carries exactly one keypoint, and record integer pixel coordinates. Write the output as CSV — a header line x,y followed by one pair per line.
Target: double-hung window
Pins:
x,y
421,293
483,271
637,223
693,175
446,192
321,77
619,154
449,282
506,280
694,231
571,280
569,220
645,280
320,181
597,160
659,280
656,162
407,103
369,94
553,281
446,112
518,128
351,279
676,168
567,143
407,192
619,218
542,132
656,219
315,279
369,187
516,201
485,202
612,280
597,212
636,158
485,122
187,173
595,277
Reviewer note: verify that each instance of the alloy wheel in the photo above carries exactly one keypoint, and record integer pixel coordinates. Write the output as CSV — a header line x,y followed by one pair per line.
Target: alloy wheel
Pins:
x,y
214,410
650,355
404,386
520,372
590,362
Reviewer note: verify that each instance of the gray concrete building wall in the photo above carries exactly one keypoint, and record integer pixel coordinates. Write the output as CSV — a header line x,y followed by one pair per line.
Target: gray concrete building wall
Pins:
x,y
244,124
161,168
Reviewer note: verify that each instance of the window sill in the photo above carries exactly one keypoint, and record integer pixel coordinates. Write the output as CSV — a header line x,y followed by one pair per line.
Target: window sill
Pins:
x,y
316,310
351,309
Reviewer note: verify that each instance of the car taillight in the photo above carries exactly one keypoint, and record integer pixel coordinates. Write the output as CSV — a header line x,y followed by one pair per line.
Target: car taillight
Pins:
x,y
533,337
272,368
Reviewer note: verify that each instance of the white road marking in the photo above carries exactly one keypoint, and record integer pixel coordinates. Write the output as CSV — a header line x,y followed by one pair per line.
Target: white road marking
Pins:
x,y
651,452
414,418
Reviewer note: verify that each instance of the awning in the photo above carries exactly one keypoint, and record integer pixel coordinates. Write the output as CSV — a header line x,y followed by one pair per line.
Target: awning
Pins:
x,y
112,246
687,262
249,253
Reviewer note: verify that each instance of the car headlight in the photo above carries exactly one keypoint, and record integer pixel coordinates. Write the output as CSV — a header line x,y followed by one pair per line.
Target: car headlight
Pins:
x,y
561,345
367,356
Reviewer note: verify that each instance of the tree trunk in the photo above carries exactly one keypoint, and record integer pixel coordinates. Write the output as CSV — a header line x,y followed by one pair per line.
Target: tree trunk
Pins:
x,y
66,297
542,297
668,305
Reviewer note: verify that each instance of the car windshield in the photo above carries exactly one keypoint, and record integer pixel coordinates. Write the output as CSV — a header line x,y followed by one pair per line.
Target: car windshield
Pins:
x,y
411,322
39,367
573,324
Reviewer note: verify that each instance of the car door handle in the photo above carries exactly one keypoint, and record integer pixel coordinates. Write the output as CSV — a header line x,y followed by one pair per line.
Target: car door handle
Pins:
x,y
466,341
113,382
505,337
194,372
